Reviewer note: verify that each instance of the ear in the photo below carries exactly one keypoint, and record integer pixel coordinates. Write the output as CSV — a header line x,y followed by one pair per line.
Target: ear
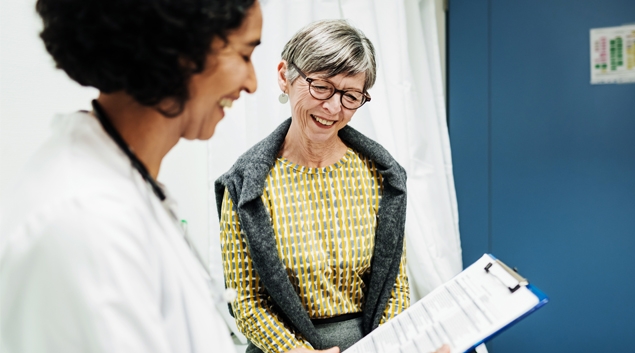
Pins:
x,y
282,76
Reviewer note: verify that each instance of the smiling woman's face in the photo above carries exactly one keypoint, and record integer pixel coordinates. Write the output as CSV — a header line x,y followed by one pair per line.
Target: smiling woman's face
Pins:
x,y
320,120
228,71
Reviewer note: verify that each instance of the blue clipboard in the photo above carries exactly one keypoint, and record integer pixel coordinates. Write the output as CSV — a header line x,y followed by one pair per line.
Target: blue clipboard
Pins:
x,y
542,300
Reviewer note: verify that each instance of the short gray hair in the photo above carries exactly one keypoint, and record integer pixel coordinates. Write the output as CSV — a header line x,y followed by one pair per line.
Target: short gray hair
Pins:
x,y
333,47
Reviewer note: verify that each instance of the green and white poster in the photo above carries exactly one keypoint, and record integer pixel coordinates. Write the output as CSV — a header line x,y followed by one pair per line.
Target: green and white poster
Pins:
x,y
613,55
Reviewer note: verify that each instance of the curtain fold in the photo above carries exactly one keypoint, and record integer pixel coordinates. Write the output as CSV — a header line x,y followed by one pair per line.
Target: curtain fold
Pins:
x,y
407,116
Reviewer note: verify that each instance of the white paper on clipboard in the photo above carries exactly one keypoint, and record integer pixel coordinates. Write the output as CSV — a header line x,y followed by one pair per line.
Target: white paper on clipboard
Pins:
x,y
463,313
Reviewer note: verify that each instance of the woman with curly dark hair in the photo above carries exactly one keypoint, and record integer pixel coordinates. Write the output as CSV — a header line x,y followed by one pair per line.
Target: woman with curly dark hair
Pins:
x,y
92,255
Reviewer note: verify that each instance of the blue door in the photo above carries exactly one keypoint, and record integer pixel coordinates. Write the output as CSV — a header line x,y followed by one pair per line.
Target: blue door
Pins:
x,y
545,165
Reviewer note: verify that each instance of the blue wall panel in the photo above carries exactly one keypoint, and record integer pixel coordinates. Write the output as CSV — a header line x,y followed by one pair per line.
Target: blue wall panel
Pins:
x,y
468,119
561,174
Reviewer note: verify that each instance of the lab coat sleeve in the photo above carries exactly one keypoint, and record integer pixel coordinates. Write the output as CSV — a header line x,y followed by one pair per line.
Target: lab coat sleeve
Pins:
x,y
400,296
81,280
254,316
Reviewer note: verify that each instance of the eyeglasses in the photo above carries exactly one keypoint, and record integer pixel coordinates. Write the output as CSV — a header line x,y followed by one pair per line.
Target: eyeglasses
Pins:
x,y
323,90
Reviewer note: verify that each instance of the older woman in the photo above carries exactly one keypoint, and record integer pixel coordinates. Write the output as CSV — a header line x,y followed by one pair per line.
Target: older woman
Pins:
x,y
312,217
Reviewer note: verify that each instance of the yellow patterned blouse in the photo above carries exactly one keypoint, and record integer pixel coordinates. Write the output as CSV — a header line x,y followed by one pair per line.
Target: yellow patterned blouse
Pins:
x,y
324,220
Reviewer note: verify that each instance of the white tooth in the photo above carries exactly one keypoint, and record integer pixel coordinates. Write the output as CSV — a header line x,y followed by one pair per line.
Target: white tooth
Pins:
x,y
324,122
225,103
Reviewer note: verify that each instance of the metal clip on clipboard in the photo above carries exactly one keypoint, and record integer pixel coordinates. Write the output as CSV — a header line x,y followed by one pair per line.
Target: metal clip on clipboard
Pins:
x,y
506,275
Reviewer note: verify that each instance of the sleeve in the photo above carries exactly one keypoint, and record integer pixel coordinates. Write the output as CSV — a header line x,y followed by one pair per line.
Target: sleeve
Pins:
x,y
400,296
81,280
254,317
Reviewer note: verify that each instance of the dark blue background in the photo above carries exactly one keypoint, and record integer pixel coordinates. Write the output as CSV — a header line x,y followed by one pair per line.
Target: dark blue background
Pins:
x,y
544,165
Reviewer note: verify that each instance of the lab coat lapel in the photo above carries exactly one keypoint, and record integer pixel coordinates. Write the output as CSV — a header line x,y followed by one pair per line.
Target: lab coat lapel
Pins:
x,y
194,276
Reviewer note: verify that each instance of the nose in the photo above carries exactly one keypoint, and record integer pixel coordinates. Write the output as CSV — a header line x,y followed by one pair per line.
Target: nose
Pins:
x,y
334,104
251,82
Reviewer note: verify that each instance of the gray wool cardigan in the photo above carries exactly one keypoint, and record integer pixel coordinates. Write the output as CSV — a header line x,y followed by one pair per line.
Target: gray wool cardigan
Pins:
x,y
245,182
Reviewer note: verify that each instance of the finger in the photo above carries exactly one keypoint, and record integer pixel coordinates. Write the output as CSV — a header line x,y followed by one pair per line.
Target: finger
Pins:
x,y
331,350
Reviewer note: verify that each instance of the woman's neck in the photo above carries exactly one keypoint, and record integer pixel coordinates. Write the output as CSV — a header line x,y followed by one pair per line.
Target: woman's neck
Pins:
x,y
148,134
300,150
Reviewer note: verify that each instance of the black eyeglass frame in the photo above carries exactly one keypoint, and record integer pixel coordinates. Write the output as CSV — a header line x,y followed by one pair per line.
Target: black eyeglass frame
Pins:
x,y
335,90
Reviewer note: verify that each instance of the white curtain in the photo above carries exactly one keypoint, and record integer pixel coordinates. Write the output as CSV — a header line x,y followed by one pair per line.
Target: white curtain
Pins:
x,y
407,116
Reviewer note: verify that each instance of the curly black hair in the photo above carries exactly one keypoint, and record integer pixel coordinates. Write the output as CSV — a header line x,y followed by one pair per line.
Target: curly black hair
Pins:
x,y
146,48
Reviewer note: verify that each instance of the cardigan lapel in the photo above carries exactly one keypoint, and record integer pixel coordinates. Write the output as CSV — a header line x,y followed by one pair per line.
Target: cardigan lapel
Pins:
x,y
256,224
390,226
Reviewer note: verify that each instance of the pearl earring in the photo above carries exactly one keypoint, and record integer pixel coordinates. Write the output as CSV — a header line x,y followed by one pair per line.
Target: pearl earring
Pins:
x,y
283,98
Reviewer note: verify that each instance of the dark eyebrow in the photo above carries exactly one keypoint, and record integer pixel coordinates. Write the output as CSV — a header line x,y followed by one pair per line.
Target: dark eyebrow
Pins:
x,y
254,43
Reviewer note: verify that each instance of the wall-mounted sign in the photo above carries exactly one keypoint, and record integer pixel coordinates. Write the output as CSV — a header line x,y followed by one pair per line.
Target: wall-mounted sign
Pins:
x,y
613,55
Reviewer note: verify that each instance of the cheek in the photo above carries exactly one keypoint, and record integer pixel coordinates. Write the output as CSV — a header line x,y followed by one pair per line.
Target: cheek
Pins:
x,y
228,76
348,115
302,102
224,78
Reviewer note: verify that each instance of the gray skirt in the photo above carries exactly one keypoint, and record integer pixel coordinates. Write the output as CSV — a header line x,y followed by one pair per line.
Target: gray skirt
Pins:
x,y
342,334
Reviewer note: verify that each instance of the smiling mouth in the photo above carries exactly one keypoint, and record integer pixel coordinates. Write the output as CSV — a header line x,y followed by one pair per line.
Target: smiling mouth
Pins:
x,y
322,121
226,102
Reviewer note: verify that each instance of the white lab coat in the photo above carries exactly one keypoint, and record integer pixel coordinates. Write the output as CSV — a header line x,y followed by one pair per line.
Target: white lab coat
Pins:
x,y
90,261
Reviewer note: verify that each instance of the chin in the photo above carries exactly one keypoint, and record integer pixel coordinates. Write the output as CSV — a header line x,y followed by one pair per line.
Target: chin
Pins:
x,y
207,134
209,128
